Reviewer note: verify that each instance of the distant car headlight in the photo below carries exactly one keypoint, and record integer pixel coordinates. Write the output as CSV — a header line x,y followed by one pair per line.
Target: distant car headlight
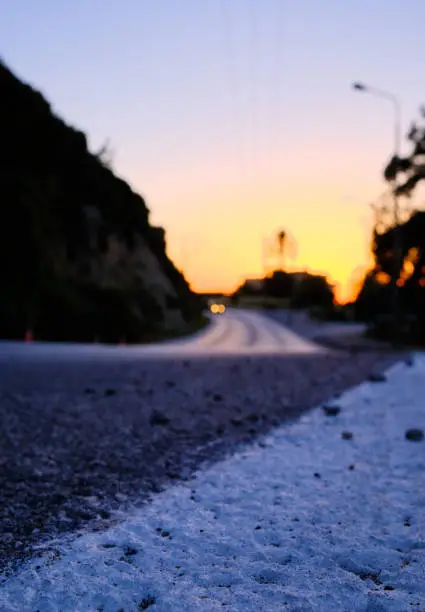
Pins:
x,y
217,308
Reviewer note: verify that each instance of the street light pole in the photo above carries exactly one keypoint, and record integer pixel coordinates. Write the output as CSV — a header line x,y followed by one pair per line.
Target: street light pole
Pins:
x,y
379,93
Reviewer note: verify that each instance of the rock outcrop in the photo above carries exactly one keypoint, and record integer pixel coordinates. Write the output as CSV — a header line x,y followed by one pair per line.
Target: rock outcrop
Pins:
x,y
79,258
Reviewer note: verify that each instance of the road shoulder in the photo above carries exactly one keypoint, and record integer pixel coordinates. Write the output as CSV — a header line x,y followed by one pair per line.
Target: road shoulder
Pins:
x,y
308,516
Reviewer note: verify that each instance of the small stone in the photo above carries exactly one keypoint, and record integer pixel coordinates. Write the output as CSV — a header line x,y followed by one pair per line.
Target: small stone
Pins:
x,y
236,421
377,378
317,475
351,467
347,435
331,410
110,392
147,602
217,397
92,500
388,588
158,418
415,435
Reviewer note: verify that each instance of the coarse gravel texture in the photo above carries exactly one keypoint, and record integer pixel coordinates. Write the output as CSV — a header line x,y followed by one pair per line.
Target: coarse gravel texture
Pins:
x,y
82,440
304,519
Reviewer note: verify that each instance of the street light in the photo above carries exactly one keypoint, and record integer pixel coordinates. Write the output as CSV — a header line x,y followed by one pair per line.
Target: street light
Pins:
x,y
379,93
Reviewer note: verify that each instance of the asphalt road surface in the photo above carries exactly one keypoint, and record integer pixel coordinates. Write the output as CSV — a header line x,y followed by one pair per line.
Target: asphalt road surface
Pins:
x,y
237,332
88,431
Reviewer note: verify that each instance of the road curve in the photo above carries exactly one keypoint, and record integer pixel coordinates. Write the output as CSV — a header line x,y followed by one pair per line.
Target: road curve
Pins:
x,y
237,332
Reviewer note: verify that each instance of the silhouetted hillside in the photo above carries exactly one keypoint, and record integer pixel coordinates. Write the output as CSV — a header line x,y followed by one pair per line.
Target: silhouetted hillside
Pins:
x,y
79,259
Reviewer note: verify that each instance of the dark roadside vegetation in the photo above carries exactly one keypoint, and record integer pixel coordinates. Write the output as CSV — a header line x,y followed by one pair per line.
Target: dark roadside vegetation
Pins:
x,y
79,259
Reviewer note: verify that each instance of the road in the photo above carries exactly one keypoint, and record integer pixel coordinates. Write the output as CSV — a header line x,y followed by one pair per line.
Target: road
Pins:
x,y
87,429
302,519
236,332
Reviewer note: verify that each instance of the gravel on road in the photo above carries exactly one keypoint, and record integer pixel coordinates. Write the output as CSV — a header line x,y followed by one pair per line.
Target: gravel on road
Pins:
x,y
82,441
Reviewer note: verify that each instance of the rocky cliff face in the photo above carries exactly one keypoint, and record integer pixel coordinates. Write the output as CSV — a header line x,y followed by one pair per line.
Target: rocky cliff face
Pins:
x,y
79,259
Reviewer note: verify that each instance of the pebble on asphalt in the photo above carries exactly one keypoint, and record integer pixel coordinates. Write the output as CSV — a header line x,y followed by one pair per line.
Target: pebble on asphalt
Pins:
x,y
331,410
347,435
415,435
158,418
377,378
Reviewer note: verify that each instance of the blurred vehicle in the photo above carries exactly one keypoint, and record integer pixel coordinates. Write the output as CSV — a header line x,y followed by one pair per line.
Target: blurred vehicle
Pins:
x,y
217,308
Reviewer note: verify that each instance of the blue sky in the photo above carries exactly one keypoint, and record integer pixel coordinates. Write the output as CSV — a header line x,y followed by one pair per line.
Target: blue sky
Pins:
x,y
235,117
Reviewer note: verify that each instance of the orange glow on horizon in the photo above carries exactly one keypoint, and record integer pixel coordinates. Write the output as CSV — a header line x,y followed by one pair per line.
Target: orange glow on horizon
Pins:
x,y
344,292
215,230
342,259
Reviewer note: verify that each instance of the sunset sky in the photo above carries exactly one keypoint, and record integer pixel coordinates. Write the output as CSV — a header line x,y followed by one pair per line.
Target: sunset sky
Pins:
x,y
233,118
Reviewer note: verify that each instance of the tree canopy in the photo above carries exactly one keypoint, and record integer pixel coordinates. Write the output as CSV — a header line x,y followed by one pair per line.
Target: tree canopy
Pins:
x,y
374,299
410,170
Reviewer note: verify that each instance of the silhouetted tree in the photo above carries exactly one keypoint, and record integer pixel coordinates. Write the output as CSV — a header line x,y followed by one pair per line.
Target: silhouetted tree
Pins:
x,y
105,155
410,169
279,284
411,272
374,299
313,290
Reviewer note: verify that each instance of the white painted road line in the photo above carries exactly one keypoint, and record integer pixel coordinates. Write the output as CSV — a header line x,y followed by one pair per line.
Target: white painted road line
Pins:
x,y
305,520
